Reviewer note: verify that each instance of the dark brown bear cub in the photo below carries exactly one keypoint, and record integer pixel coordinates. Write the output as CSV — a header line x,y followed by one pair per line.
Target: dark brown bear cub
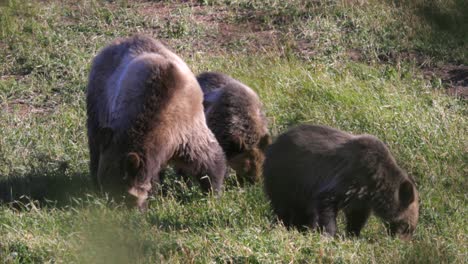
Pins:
x,y
145,109
311,172
234,114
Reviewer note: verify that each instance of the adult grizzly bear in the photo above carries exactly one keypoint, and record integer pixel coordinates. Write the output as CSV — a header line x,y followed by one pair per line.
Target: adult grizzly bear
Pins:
x,y
145,109
234,114
311,172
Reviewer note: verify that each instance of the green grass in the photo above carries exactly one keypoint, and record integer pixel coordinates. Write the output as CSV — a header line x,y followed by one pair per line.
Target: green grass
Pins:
x,y
304,75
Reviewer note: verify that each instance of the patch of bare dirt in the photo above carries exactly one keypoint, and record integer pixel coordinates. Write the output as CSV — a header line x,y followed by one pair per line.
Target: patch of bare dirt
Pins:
x,y
3,45
455,77
23,108
222,32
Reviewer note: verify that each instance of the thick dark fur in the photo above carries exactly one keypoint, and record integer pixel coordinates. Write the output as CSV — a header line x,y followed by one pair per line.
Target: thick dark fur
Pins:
x,y
311,172
235,115
145,109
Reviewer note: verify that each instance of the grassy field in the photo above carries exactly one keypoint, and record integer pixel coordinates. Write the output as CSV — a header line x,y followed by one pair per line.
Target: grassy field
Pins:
x,y
358,65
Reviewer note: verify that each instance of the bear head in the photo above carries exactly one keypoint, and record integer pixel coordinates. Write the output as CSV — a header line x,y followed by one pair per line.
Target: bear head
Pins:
x,y
122,174
249,163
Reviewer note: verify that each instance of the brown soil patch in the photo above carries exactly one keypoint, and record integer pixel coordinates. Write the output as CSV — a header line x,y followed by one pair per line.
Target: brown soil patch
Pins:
x,y
455,77
222,32
23,108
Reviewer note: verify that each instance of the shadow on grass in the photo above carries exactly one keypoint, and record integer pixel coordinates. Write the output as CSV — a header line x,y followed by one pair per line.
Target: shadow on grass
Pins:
x,y
448,15
448,22
451,18
187,189
47,187
191,209
54,186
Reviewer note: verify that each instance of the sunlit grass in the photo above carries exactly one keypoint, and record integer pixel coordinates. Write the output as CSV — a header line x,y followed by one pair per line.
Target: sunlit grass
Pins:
x,y
45,54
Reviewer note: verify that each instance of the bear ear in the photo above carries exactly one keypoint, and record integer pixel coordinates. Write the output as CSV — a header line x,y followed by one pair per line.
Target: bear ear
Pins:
x,y
132,163
406,193
104,136
169,74
264,142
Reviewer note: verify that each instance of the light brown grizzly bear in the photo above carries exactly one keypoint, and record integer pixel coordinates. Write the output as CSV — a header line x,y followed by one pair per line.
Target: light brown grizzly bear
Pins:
x,y
235,115
311,172
145,109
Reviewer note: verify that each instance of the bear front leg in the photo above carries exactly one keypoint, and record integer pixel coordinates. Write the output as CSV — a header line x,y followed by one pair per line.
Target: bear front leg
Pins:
x,y
93,159
157,183
356,218
327,220
312,217
94,165
211,183
185,177
227,173
216,171
93,150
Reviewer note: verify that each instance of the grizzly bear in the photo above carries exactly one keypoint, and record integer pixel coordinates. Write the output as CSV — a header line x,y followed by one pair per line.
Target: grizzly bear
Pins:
x,y
145,110
235,115
311,172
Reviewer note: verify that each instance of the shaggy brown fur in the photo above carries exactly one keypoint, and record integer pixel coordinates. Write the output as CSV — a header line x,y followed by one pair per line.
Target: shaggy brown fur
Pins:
x,y
312,172
145,109
234,114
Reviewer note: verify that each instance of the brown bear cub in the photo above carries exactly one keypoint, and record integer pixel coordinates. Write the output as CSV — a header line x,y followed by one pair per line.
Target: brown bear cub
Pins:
x,y
311,172
145,109
235,115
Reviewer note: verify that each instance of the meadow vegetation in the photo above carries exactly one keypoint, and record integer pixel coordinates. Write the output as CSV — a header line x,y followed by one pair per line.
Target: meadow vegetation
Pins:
x,y
357,65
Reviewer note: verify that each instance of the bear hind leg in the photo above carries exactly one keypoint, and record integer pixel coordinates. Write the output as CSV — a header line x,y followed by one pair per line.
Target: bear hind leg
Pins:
x,y
94,165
